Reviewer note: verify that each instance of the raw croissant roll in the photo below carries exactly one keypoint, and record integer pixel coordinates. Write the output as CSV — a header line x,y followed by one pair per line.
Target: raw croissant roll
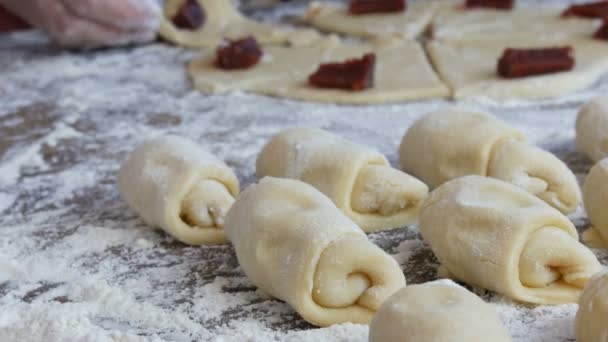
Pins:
x,y
359,180
595,197
448,144
175,185
492,234
294,244
591,325
592,129
436,311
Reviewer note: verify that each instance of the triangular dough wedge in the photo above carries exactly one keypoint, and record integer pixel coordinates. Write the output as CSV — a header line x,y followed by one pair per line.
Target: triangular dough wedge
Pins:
x,y
278,64
408,24
469,69
402,73
222,21
454,23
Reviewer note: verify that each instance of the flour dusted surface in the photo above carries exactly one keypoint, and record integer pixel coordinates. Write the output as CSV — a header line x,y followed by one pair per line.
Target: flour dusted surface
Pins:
x,y
77,264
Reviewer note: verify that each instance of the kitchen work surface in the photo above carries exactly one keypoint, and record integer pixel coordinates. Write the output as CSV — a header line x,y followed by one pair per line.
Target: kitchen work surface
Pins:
x,y
76,264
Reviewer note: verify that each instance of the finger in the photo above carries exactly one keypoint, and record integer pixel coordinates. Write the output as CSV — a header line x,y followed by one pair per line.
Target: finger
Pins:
x,y
129,15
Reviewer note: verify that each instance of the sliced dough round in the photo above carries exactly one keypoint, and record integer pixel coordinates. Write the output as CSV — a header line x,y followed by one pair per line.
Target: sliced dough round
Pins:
x,y
436,311
359,180
449,143
492,234
592,129
595,196
593,310
222,21
174,184
294,244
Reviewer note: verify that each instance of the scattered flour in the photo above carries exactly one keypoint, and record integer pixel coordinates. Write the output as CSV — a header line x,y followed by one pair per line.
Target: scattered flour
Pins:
x,y
77,265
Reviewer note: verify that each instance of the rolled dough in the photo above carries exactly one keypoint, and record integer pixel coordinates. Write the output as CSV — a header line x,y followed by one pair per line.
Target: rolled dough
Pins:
x,y
593,310
592,129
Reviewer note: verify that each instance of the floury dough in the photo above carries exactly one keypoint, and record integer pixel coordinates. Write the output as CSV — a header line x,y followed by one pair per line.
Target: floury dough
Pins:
x,y
402,72
451,143
592,129
469,68
455,23
294,244
359,180
595,196
492,234
222,21
174,184
593,311
439,311
409,24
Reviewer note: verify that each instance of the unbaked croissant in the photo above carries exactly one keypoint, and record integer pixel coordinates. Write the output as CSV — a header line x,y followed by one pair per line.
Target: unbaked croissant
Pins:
x,y
448,144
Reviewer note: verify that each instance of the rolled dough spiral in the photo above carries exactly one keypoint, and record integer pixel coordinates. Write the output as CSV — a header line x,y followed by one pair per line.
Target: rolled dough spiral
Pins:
x,y
495,235
595,197
592,129
591,325
175,185
294,244
448,144
359,180
439,311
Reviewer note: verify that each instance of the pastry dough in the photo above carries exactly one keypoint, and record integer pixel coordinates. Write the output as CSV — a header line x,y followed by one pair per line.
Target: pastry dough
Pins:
x,y
492,234
469,69
592,129
448,144
593,310
440,311
409,24
455,23
595,196
222,21
175,185
402,73
359,180
294,244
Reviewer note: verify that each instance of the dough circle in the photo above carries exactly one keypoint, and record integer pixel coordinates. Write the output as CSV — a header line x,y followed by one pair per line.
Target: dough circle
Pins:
x,y
222,21
439,311
592,129
359,180
172,182
492,234
591,325
451,143
295,245
595,197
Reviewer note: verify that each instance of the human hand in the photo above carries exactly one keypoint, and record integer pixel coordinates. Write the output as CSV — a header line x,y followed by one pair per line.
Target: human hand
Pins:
x,y
91,23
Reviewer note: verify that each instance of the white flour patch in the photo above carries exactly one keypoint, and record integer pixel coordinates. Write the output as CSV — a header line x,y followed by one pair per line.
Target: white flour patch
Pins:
x,y
76,264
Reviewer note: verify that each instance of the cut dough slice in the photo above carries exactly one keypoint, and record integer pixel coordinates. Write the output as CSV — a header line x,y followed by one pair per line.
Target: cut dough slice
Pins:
x,y
222,20
295,245
438,311
409,24
595,196
592,311
359,180
278,63
492,234
592,129
454,23
175,185
449,143
402,73
469,69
